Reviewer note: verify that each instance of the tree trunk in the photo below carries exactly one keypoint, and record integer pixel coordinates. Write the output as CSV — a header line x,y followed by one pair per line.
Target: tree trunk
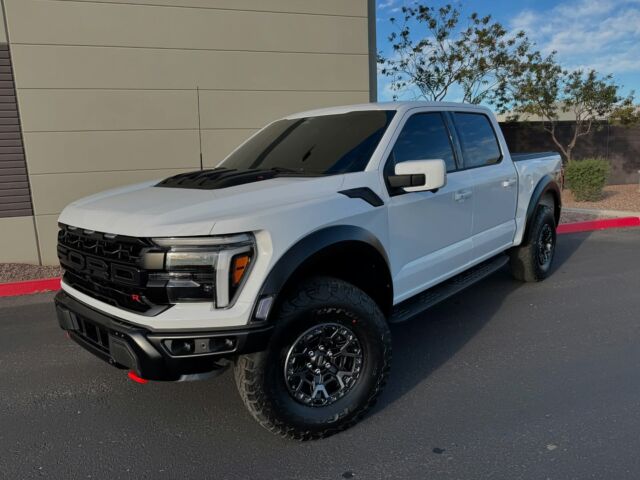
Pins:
x,y
565,151
568,154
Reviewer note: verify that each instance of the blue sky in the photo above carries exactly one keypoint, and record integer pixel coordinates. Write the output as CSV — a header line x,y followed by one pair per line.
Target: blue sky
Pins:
x,y
600,34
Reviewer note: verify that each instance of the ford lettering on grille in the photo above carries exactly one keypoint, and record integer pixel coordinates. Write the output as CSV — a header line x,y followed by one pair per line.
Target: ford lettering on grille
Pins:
x,y
108,267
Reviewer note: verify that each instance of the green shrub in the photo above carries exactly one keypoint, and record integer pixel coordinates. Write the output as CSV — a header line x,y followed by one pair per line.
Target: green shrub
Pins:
x,y
587,178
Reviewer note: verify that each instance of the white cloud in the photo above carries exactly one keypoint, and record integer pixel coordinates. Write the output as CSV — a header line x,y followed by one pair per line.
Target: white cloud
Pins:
x,y
386,4
386,93
604,35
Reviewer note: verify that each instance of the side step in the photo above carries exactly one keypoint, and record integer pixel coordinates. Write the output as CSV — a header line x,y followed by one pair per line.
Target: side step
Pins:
x,y
427,299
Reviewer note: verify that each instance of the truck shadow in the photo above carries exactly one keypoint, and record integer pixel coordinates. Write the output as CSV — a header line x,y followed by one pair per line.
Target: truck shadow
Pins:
x,y
429,340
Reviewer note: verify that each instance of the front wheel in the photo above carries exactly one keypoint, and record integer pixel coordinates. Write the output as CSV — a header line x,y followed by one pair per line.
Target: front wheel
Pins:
x,y
327,361
531,261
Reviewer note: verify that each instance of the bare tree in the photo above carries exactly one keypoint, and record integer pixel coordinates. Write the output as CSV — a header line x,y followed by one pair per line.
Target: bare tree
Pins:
x,y
627,113
433,54
479,58
546,90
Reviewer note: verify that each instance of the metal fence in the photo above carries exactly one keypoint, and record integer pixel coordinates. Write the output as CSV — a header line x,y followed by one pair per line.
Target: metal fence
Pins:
x,y
618,144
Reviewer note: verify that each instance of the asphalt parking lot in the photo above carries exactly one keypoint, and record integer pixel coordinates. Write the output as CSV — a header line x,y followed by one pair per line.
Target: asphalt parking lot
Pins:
x,y
504,381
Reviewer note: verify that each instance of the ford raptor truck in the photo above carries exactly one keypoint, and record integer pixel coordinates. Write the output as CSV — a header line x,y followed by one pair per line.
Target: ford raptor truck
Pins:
x,y
289,260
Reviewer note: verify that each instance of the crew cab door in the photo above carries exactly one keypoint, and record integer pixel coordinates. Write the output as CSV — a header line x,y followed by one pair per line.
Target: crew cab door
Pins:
x,y
429,232
495,183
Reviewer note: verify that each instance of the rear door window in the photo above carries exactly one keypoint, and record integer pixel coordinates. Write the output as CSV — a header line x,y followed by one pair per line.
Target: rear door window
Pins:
x,y
477,138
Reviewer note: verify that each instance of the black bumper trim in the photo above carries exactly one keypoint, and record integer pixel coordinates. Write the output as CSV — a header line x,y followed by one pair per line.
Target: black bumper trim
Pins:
x,y
135,348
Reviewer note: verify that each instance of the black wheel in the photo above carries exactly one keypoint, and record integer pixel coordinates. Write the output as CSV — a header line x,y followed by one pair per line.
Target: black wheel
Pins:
x,y
531,261
327,361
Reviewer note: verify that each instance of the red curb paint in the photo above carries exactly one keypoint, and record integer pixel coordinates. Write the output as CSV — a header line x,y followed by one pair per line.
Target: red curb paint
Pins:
x,y
32,286
599,225
136,378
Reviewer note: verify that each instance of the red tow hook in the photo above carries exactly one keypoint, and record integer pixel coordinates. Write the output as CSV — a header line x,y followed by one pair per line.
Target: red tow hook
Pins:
x,y
132,375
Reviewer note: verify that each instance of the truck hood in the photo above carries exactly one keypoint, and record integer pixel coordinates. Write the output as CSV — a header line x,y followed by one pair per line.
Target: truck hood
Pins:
x,y
144,210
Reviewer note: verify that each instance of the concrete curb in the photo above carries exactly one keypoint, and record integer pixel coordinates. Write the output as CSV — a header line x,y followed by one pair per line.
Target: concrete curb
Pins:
x,y
15,289
602,213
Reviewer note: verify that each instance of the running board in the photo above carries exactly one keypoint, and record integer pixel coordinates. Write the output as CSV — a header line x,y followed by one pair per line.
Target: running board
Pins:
x,y
419,303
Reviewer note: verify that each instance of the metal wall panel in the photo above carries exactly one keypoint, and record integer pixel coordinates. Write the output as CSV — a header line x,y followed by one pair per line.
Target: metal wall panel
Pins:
x,y
15,196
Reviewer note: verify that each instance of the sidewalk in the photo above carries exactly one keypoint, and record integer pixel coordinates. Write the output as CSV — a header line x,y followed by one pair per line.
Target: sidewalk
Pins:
x,y
573,215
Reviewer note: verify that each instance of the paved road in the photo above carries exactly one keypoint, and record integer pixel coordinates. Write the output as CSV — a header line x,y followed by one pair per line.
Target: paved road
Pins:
x,y
504,381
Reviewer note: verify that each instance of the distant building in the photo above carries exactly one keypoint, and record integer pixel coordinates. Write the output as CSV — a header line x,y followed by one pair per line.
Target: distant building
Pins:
x,y
563,116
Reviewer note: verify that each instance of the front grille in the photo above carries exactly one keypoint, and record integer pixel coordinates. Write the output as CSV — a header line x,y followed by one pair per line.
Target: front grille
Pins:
x,y
109,268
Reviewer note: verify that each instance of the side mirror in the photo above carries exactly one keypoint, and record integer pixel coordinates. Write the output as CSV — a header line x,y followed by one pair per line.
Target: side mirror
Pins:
x,y
419,175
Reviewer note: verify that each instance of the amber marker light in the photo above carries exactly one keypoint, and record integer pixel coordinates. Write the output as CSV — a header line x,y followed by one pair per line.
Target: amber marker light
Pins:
x,y
239,268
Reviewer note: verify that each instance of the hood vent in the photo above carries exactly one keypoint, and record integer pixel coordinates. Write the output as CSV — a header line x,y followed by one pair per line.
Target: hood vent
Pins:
x,y
216,178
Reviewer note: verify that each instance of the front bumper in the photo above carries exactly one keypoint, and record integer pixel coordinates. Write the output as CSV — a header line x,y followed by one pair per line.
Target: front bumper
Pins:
x,y
127,346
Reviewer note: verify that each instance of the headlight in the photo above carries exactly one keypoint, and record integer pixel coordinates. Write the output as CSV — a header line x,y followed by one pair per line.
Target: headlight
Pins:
x,y
198,269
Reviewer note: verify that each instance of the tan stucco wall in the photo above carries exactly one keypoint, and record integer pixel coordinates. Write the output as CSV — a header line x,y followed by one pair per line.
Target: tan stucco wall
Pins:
x,y
108,90
18,240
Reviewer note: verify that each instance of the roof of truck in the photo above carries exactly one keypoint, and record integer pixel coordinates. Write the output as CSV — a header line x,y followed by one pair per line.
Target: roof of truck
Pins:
x,y
398,106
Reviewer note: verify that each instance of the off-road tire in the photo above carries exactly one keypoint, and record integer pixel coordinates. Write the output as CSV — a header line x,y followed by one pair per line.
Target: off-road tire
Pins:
x,y
524,260
260,377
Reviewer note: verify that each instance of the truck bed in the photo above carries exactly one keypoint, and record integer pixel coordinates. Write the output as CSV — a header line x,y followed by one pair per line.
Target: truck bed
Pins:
x,y
531,168
521,157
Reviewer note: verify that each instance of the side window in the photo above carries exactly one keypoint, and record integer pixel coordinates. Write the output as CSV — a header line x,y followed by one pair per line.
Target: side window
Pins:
x,y
477,140
423,137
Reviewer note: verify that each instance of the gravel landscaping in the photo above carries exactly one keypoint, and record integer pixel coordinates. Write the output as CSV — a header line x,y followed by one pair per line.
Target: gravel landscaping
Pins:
x,y
18,272
615,197
573,217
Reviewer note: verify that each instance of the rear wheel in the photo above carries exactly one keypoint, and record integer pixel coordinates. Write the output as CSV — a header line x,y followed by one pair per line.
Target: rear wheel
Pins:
x,y
531,261
327,361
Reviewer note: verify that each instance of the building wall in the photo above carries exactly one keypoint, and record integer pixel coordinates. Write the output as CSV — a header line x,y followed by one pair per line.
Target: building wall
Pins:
x,y
17,229
113,92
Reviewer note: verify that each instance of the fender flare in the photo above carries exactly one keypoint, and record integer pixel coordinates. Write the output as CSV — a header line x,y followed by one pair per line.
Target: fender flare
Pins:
x,y
547,184
305,248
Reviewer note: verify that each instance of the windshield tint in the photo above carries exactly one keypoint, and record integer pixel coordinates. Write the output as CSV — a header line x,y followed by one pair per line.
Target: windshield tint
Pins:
x,y
323,145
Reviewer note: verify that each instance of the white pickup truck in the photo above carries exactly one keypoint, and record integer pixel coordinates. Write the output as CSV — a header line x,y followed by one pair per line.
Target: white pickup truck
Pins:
x,y
290,259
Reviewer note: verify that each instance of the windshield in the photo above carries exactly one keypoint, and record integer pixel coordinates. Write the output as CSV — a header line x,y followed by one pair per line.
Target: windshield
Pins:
x,y
323,145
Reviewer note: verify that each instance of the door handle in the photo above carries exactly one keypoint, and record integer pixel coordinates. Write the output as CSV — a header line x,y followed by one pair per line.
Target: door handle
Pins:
x,y
509,183
462,195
